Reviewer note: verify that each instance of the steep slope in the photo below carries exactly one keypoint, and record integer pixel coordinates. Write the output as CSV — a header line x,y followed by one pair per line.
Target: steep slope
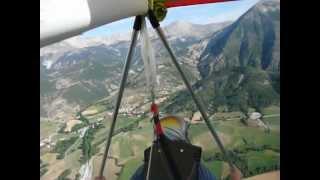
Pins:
x,y
251,40
240,64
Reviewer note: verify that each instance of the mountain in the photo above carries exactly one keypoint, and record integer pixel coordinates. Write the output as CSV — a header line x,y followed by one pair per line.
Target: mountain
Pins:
x,y
231,63
183,28
252,39
80,71
240,65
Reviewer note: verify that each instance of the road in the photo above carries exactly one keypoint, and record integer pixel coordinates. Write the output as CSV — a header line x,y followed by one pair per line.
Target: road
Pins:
x,y
86,171
265,116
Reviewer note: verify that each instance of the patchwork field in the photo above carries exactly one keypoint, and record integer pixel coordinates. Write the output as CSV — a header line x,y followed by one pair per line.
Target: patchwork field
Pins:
x,y
47,128
254,150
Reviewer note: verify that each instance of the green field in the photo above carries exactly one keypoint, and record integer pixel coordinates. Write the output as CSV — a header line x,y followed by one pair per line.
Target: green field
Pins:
x,y
271,110
129,168
134,135
215,167
234,134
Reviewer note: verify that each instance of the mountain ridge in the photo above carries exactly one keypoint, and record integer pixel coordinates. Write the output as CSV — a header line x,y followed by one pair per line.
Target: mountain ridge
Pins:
x,y
87,72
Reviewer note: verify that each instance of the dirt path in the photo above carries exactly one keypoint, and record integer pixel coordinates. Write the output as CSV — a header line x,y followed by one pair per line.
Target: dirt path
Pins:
x,y
274,175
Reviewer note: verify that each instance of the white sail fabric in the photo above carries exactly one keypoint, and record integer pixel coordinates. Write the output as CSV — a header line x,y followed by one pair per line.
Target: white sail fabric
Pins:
x,y
148,58
61,19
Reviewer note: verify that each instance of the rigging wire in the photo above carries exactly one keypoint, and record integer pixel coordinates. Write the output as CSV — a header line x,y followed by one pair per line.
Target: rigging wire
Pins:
x,y
148,58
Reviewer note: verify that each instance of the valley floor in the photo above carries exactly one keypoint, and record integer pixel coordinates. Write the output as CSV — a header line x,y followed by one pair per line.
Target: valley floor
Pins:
x,y
256,152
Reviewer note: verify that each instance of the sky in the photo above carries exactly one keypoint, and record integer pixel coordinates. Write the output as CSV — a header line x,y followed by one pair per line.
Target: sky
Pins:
x,y
197,14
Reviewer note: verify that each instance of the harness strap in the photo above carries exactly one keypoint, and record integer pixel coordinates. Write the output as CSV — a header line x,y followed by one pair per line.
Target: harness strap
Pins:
x,y
155,110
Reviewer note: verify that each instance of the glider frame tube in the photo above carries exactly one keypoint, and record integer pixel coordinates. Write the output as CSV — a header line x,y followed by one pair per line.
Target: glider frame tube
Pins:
x,y
155,24
197,101
136,29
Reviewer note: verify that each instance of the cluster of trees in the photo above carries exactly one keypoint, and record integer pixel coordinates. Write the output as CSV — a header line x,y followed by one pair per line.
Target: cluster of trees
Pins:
x,y
239,157
87,149
237,88
263,169
127,128
62,146
241,161
275,79
83,118
178,102
64,175
61,130
86,146
244,87
260,97
258,170
249,146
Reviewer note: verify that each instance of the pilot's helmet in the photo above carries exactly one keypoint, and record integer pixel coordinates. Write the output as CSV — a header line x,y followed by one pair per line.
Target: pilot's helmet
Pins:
x,y
175,128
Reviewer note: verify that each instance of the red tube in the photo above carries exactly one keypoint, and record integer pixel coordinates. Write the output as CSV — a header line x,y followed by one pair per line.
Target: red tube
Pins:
x,y
158,129
177,3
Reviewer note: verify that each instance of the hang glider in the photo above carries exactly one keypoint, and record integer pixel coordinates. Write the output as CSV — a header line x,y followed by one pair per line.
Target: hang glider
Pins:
x,y
61,19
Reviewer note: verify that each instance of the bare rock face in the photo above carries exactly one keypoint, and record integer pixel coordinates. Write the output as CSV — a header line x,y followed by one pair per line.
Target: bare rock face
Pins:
x,y
196,117
255,116
255,120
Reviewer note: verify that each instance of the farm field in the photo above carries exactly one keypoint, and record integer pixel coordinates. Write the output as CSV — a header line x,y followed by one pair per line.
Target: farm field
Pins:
x,y
254,150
